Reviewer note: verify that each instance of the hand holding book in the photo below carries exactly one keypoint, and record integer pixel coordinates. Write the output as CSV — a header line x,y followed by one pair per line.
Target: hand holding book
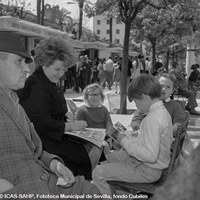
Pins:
x,y
116,132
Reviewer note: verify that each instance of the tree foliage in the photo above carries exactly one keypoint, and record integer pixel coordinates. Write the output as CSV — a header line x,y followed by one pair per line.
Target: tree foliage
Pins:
x,y
16,9
59,18
165,27
127,11
82,5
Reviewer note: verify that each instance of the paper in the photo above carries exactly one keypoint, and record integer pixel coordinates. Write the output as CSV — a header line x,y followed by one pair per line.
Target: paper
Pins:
x,y
61,182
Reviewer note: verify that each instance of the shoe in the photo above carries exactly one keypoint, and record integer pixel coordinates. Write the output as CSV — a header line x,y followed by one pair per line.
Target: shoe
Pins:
x,y
194,112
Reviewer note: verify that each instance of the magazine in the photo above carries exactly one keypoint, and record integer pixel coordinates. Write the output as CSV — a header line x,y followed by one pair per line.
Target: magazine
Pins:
x,y
112,130
95,136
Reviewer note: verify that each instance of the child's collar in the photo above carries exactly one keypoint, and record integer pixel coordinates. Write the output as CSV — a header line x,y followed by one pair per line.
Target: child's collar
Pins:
x,y
100,105
167,100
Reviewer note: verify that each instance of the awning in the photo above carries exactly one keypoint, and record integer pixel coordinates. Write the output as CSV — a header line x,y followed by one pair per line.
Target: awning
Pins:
x,y
26,28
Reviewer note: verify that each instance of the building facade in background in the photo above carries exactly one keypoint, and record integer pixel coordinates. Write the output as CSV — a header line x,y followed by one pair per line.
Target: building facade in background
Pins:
x,y
101,27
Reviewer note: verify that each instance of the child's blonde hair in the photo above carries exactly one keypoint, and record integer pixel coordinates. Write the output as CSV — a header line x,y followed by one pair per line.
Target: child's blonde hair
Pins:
x,y
93,86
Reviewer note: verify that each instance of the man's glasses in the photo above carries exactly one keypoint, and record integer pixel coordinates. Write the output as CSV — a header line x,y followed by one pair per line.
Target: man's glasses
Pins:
x,y
94,95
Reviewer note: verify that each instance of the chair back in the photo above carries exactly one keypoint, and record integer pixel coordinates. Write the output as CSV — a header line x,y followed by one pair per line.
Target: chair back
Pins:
x,y
71,106
114,103
176,147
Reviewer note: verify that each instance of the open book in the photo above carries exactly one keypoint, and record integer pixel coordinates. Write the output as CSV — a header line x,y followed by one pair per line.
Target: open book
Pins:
x,y
113,130
95,136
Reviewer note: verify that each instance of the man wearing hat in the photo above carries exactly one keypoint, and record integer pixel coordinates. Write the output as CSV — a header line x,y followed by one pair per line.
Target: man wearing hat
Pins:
x,y
24,167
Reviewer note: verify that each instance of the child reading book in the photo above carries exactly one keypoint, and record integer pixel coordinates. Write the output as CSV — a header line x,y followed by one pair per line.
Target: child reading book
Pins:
x,y
94,113
176,111
143,157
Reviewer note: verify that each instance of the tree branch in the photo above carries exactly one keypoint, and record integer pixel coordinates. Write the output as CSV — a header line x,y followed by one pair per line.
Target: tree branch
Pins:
x,y
153,5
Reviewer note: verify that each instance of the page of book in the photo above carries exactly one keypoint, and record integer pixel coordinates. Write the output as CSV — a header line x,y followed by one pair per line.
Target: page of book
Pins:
x,y
95,136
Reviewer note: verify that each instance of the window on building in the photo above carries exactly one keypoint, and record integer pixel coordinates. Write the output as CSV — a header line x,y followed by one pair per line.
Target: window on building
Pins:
x,y
98,22
117,21
108,21
117,41
117,31
98,32
108,31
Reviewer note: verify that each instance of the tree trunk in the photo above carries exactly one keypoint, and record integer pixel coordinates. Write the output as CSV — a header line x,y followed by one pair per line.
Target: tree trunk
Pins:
x,y
123,84
38,11
80,18
167,61
111,25
153,43
42,19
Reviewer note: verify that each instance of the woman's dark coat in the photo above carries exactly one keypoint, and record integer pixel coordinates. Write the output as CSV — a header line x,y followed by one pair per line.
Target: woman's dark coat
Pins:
x,y
46,107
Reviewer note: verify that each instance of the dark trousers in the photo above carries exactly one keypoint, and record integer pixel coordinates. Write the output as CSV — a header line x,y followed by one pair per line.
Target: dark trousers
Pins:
x,y
191,96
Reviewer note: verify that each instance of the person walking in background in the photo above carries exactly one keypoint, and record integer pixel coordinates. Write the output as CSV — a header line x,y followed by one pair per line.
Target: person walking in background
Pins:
x,y
89,66
46,106
83,73
102,74
95,71
117,76
136,68
194,77
148,66
130,67
109,67
142,65
25,167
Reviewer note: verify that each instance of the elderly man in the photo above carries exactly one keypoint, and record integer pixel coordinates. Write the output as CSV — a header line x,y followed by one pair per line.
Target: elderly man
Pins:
x,y
24,167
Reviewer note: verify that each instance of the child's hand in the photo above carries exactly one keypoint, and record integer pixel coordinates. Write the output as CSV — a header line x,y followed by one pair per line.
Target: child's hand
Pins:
x,y
70,117
78,125
120,137
5,185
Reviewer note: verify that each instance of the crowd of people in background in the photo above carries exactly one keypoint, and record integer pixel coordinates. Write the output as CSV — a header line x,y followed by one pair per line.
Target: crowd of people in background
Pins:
x,y
107,72
103,71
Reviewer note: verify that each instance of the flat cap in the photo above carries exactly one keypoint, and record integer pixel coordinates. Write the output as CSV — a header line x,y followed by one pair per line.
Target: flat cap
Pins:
x,y
11,42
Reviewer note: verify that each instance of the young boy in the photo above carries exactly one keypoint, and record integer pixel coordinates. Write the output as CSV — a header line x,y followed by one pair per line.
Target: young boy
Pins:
x,y
176,111
143,157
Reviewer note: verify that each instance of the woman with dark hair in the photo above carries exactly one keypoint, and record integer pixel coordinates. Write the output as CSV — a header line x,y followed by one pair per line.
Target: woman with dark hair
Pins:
x,y
46,106
194,76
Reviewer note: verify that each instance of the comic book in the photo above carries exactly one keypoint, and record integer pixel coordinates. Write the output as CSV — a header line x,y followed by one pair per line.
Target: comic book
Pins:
x,y
95,136
112,130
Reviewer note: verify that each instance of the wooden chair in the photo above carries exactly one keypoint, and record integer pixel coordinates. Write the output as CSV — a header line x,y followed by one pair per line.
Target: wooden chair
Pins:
x,y
71,106
149,188
114,103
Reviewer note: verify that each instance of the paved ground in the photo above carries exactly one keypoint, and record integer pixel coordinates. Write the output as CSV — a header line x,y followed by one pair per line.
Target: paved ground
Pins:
x,y
194,124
